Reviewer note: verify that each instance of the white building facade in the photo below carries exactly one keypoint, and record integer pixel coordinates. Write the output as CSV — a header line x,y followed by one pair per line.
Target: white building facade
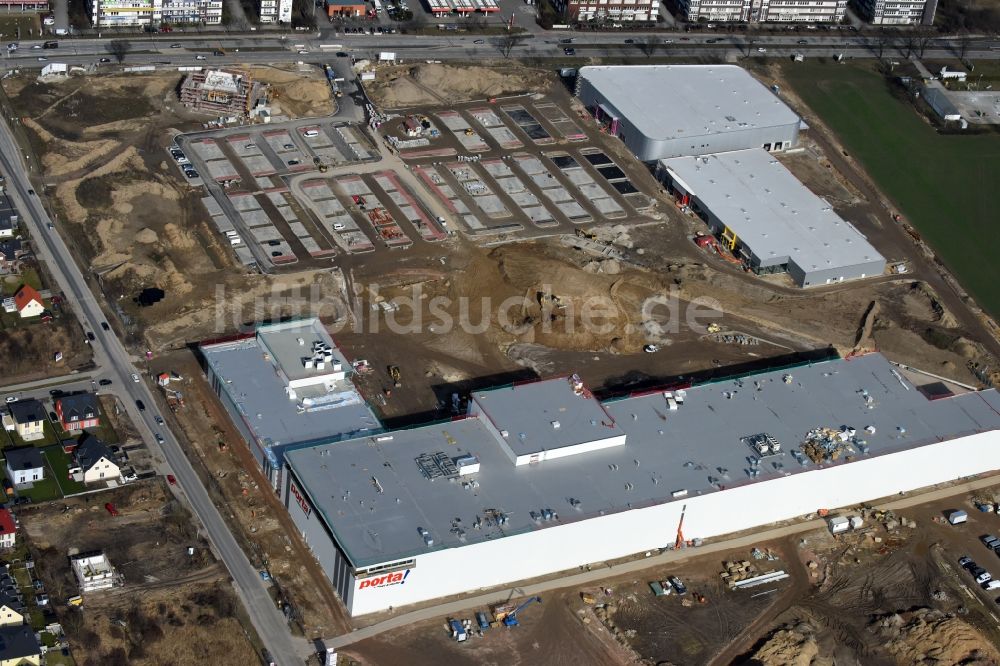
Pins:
x,y
770,11
898,12
614,11
275,11
142,13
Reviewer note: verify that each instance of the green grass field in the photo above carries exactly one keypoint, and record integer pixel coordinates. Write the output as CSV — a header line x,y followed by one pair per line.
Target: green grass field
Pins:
x,y
947,187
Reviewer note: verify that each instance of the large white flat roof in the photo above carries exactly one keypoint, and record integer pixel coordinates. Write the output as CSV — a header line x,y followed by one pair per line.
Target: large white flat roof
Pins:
x,y
677,101
376,498
771,211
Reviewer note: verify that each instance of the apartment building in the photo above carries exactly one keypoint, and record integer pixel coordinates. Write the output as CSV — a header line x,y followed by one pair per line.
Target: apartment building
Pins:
x,y
275,11
142,13
624,11
898,12
770,11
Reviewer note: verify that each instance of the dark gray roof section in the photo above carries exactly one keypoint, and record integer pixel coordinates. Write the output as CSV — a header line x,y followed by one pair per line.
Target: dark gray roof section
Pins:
x,y
698,447
546,415
81,405
9,596
90,451
27,411
18,642
23,458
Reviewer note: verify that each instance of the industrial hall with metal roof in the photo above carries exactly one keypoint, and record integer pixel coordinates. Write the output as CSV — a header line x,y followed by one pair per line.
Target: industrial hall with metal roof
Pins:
x,y
544,468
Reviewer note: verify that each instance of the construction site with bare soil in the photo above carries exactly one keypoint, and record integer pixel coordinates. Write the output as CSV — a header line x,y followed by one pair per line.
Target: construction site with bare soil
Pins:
x,y
547,249
171,601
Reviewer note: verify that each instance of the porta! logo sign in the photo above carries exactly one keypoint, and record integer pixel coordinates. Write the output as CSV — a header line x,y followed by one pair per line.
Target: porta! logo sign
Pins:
x,y
303,504
388,580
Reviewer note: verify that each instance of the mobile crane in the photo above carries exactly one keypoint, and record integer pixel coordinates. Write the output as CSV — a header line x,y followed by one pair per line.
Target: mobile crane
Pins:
x,y
510,619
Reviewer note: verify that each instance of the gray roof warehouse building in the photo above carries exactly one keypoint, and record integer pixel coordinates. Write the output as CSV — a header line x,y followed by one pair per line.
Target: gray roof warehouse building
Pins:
x,y
779,224
404,516
662,111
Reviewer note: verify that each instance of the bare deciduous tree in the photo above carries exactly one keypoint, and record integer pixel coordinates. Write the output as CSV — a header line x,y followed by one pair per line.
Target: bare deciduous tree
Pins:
x,y
118,48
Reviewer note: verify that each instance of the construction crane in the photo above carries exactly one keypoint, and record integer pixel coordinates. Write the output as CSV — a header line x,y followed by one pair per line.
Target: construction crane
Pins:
x,y
510,619
679,543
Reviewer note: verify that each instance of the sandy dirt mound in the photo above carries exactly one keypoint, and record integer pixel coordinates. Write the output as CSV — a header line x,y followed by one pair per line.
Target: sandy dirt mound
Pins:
x,y
792,646
146,236
71,155
928,636
403,85
177,238
299,92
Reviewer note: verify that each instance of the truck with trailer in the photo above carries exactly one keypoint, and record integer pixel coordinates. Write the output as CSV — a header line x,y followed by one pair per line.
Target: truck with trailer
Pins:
x,y
458,631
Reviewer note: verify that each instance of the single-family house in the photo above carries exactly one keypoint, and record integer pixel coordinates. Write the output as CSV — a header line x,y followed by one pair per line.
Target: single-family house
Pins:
x,y
12,252
78,411
8,529
95,460
24,465
11,607
19,647
29,302
29,418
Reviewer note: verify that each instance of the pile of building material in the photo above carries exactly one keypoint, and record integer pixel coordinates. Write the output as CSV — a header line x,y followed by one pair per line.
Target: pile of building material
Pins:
x,y
825,444
737,571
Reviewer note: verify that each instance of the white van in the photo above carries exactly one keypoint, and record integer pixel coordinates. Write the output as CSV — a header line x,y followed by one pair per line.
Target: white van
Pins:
x,y
310,133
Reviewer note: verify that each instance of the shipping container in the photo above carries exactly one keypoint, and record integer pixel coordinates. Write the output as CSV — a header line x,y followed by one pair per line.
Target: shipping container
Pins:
x,y
838,525
956,517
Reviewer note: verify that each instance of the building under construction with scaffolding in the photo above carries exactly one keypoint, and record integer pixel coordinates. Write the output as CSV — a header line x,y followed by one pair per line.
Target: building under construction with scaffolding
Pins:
x,y
224,92
541,477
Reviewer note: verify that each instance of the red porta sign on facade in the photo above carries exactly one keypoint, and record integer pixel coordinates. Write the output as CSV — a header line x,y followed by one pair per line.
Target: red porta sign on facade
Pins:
x,y
388,580
303,504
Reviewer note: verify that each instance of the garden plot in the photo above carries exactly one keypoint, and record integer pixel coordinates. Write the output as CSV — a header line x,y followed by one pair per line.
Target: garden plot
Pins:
x,y
334,218
439,186
468,137
552,188
523,119
590,191
428,229
474,185
370,207
512,185
353,143
221,169
281,142
207,149
256,163
560,121
496,128
616,178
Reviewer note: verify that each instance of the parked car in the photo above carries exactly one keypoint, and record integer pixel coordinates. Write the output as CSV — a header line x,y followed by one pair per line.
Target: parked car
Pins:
x,y
105,60
11,398
159,438
679,587
171,479
105,326
141,405
989,541
91,336
991,585
965,561
105,382
569,52
135,378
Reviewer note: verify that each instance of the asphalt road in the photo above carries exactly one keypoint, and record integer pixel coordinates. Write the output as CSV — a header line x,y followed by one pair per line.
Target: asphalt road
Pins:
x,y
160,49
112,357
